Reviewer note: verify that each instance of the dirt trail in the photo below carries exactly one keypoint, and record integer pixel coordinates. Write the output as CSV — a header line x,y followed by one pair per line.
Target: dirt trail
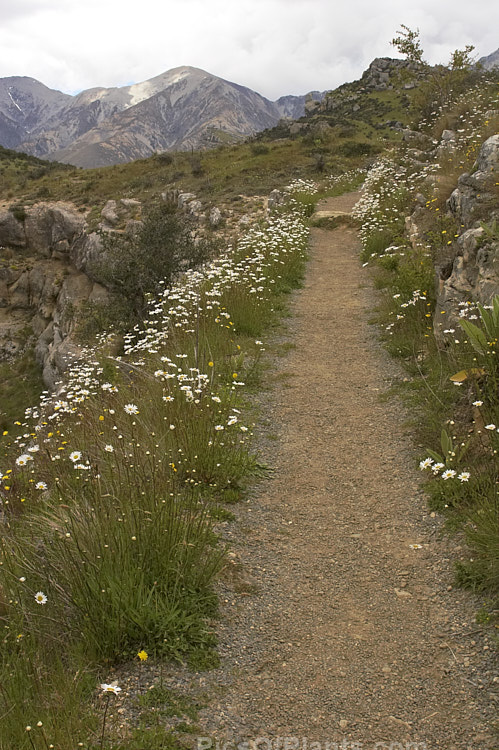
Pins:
x,y
353,636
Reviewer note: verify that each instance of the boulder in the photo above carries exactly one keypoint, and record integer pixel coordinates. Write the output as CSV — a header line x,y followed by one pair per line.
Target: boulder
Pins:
x,y
51,227
116,213
475,198
11,231
85,251
276,198
473,274
215,217
109,214
297,127
194,207
184,198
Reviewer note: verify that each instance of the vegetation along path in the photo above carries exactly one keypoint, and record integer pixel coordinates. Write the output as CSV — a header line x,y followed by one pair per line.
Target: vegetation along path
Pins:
x,y
354,635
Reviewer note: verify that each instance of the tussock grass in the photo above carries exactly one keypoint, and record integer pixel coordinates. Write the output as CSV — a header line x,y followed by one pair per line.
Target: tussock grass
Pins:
x,y
112,493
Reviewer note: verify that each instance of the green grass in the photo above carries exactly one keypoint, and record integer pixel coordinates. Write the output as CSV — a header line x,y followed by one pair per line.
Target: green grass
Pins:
x,y
113,516
22,384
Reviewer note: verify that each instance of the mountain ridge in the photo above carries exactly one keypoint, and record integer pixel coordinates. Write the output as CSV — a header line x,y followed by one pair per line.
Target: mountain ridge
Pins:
x,y
179,109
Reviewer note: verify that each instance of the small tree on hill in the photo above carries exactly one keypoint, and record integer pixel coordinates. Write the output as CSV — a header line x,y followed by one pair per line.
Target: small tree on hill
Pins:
x,y
461,59
408,44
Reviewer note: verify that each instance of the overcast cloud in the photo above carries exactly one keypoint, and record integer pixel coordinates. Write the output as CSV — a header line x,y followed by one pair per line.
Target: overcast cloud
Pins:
x,y
275,47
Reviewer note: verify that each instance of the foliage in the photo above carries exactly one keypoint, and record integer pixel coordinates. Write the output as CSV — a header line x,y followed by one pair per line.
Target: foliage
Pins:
x,y
408,43
21,380
135,262
461,59
18,211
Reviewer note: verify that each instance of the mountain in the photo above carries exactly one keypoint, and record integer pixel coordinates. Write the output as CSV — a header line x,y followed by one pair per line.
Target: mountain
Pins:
x,y
25,104
180,109
490,61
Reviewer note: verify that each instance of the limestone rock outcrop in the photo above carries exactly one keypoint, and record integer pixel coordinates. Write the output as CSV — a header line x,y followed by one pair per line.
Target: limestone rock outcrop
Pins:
x,y
379,74
470,272
45,257
476,196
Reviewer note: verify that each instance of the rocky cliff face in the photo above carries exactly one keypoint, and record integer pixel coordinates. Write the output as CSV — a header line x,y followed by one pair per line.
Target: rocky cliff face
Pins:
x,y
44,257
471,271
180,109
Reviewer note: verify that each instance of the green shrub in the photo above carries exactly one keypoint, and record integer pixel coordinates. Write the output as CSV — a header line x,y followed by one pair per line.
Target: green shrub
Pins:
x,y
164,158
135,262
19,212
259,149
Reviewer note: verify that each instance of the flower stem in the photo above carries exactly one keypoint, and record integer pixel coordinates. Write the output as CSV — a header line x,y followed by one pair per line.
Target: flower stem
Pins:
x,y
104,721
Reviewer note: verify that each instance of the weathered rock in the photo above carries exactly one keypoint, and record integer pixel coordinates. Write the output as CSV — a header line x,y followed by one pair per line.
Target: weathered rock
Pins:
x,y
170,196
86,251
117,213
41,288
311,105
184,198
276,198
472,275
297,127
215,217
469,269
194,207
109,214
11,231
382,70
51,228
57,359
475,198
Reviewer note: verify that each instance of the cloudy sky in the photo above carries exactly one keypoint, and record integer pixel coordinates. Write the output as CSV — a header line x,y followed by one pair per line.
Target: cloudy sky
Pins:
x,y
275,47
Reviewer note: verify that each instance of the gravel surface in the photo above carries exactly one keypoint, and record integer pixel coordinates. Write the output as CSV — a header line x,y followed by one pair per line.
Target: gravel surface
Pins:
x,y
334,628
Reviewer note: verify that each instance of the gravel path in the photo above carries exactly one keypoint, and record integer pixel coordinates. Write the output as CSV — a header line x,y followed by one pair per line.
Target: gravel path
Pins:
x,y
353,637
334,628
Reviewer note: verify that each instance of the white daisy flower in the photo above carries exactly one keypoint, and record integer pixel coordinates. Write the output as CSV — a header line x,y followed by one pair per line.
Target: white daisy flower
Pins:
x,y
426,463
111,687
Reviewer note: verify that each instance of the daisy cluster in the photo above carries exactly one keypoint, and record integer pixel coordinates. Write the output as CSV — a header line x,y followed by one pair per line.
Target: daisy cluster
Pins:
x,y
474,112
171,402
251,266
382,206
439,469
302,186
345,179
417,299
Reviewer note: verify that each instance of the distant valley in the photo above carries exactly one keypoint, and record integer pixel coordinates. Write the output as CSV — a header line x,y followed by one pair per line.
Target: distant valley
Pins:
x,y
184,108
